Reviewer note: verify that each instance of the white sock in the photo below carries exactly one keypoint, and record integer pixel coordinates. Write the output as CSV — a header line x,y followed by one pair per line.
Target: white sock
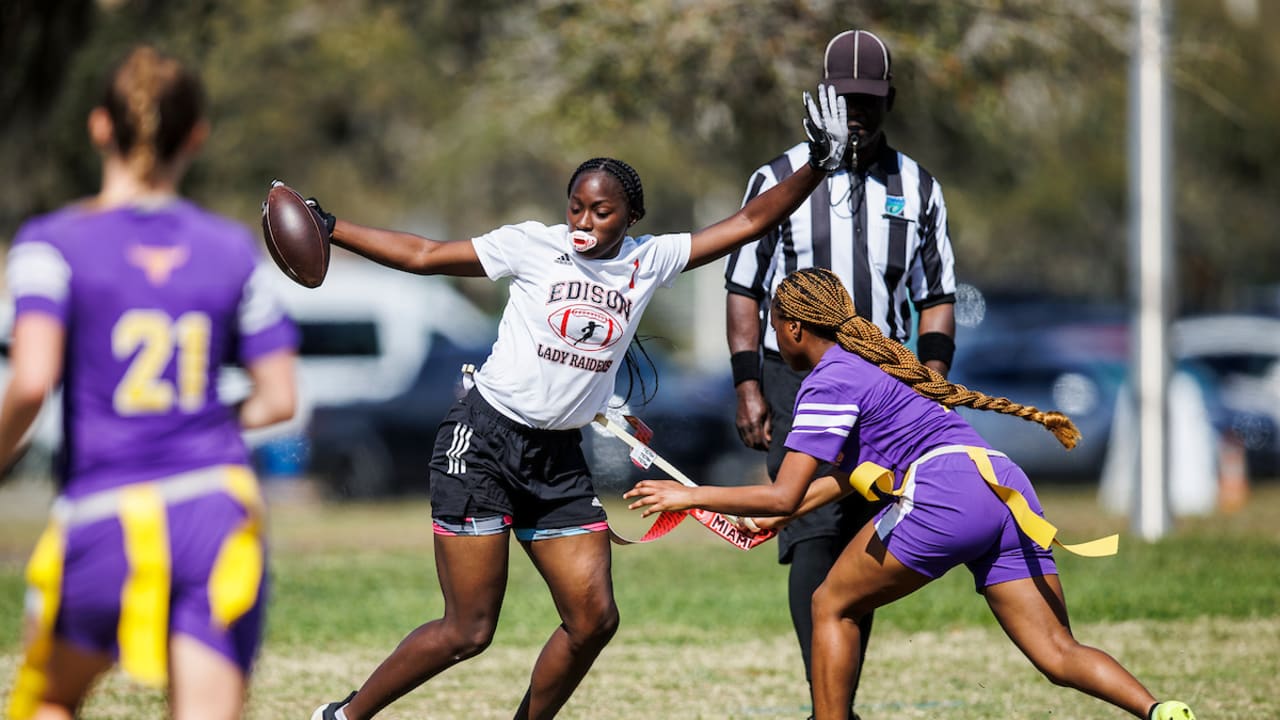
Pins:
x,y
340,715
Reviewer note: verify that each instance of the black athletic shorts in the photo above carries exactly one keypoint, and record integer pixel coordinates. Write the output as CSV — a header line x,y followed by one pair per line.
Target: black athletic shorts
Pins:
x,y
841,519
485,463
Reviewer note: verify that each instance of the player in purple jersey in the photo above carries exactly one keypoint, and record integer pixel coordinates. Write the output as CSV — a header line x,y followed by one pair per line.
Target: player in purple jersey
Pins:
x,y
132,300
869,407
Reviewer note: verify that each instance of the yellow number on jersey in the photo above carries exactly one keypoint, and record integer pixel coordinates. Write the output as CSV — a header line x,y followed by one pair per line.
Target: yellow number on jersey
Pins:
x,y
153,335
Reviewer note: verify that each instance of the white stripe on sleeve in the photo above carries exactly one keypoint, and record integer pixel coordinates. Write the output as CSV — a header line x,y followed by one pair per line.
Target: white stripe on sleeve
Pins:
x,y
827,407
259,306
38,268
825,421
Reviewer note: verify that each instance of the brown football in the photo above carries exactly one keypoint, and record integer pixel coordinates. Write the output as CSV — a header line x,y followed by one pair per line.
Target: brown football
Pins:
x,y
295,236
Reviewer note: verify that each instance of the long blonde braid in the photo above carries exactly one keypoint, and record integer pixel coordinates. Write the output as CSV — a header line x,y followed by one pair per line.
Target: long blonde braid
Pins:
x,y
817,298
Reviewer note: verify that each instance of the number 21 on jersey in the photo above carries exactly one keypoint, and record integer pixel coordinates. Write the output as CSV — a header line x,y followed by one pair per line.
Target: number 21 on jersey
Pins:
x,y
154,340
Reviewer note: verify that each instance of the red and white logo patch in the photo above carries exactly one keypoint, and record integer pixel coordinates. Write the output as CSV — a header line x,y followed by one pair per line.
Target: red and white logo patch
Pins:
x,y
586,327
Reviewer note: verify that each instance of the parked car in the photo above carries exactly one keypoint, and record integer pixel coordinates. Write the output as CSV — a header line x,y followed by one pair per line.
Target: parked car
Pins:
x,y
1057,359
1074,357
1242,355
377,448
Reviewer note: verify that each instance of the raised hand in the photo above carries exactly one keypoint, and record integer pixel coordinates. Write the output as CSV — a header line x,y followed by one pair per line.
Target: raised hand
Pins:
x,y
826,123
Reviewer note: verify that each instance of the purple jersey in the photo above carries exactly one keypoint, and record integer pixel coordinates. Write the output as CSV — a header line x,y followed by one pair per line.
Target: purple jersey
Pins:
x,y
153,300
849,411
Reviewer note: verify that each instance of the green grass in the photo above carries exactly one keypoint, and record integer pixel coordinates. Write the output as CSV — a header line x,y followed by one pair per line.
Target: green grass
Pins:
x,y
705,627
690,585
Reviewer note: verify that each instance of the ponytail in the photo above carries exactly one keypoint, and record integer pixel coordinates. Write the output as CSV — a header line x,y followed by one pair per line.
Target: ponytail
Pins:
x,y
154,102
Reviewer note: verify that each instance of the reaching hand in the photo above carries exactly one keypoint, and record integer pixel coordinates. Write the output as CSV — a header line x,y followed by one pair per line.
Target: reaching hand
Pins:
x,y
656,496
826,123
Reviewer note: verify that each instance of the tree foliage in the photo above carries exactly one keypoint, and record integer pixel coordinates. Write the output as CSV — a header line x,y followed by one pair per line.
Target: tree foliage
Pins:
x,y
451,117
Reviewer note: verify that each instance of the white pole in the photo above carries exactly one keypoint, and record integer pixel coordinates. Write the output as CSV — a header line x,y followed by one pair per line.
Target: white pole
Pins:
x,y
1151,261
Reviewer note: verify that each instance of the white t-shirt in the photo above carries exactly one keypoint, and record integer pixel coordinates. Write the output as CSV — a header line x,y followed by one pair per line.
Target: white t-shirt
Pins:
x,y
568,320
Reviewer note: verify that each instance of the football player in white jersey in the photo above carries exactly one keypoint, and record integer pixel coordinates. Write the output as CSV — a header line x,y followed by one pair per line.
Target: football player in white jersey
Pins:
x,y
507,455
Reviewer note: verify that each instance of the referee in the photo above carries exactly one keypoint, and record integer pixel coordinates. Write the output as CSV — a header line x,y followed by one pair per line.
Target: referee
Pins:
x,y
881,225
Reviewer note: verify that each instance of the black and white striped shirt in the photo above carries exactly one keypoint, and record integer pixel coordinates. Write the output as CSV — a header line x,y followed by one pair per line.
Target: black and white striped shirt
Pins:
x,y
882,230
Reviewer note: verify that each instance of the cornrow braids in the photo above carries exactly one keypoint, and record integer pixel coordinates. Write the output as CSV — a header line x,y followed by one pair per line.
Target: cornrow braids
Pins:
x,y
623,173
816,297
153,102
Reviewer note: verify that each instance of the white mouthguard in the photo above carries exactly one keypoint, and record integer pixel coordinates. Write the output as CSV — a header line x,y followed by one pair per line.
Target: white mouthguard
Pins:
x,y
582,241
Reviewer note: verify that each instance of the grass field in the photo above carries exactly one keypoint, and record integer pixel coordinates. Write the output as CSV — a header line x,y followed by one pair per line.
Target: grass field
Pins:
x,y
705,632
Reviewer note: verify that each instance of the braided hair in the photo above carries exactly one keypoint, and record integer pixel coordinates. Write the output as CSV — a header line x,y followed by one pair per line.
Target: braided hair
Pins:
x,y
817,298
623,173
153,103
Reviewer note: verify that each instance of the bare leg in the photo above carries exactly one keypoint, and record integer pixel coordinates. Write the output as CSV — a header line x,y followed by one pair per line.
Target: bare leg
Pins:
x,y
72,672
473,579
578,572
866,576
204,685
1033,613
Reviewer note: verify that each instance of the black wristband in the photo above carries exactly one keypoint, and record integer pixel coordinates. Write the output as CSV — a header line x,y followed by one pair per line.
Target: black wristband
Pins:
x,y
746,366
935,346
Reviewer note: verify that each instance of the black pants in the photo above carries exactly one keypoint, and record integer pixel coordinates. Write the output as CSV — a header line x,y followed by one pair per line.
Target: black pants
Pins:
x,y
811,543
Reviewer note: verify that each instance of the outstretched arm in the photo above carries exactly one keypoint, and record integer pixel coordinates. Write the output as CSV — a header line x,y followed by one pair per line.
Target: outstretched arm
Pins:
x,y
780,497
821,491
828,133
402,250
409,252
755,218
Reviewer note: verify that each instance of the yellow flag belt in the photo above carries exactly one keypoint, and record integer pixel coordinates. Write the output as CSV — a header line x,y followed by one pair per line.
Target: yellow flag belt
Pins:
x,y
874,482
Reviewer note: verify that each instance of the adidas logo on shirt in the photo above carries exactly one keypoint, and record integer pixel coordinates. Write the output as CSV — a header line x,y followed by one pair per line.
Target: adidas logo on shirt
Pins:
x,y
564,260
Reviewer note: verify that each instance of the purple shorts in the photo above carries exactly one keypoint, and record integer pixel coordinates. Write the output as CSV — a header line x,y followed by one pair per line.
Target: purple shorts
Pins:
x,y
95,569
948,515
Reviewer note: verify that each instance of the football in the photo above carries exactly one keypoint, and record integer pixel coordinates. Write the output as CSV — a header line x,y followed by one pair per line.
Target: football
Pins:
x,y
295,236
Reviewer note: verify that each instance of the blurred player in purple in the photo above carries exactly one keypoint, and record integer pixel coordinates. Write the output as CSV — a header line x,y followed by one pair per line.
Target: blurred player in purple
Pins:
x,y
132,300
884,419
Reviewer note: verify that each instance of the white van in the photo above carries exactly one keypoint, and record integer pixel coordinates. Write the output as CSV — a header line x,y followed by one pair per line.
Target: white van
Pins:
x,y
365,333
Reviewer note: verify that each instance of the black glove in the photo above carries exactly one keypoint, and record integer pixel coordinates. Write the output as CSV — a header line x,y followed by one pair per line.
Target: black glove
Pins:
x,y
328,218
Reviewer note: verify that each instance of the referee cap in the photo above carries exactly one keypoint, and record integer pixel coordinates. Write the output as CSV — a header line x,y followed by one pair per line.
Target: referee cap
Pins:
x,y
857,62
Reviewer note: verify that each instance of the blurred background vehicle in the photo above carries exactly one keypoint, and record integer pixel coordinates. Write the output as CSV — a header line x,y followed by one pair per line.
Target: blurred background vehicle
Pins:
x,y
1052,353
1241,354
364,336
377,448
380,447
1073,355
